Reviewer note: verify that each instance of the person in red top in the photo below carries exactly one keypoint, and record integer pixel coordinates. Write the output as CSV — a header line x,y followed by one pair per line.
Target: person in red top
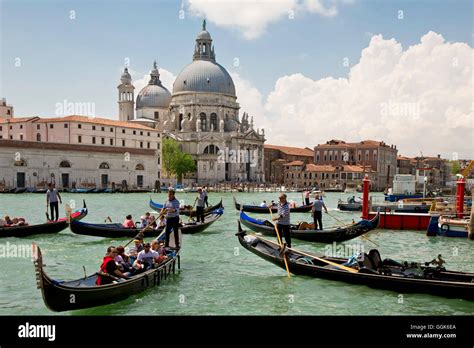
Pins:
x,y
128,223
109,270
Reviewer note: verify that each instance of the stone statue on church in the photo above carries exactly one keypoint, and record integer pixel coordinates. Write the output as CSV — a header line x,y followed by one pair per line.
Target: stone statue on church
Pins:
x,y
221,126
198,125
186,124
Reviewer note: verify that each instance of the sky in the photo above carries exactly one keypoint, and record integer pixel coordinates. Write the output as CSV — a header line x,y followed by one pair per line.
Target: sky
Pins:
x,y
307,70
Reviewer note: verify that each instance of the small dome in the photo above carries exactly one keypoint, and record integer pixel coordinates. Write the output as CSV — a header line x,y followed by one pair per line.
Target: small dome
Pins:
x,y
126,78
153,96
204,76
204,35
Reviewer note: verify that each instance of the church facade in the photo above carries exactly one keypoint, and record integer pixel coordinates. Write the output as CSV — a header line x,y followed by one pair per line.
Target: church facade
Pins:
x,y
202,114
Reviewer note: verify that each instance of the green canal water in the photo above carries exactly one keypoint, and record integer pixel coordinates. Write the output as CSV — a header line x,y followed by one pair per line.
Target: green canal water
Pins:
x,y
218,276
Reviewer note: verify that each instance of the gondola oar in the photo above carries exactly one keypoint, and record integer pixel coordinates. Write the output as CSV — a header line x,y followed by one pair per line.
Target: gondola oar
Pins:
x,y
343,223
349,269
281,244
140,234
191,212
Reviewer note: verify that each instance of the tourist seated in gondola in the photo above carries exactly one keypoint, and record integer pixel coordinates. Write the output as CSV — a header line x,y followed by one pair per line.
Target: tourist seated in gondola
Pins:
x,y
128,223
18,222
146,257
159,247
135,249
145,220
263,204
123,260
8,221
109,271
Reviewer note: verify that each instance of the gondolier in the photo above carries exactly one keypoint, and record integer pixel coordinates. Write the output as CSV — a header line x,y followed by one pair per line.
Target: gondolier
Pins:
x,y
200,205
204,190
317,213
172,218
283,219
52,197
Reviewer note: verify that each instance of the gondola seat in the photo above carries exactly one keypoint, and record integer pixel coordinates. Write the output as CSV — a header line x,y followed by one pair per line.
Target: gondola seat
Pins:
x,y
376,259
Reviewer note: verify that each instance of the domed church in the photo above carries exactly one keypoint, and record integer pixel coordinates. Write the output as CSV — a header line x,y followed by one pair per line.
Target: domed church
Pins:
x,y
202,114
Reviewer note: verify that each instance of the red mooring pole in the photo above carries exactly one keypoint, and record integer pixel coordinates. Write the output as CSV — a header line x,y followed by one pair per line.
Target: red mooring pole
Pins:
x,y
460,197
365,198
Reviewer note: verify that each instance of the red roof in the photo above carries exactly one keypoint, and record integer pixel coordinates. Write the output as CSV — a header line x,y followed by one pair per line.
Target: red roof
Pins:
x,y
296,151
295,163
319,168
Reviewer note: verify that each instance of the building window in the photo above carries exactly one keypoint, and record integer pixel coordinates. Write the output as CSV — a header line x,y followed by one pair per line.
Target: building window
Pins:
x,y
211,150
141,133
51,126
93,127
104,165
134,132
21,126
335,157
102,129
38,136
158,134
214,125
111,142
157,115
11,137
79,126
1,128
203,119
148,134
123,131
141,143
111,130
79,139
139,166
11,127
65,125
148,145
123,142
37,126
158,146
93,140
21,136
64,164
325,158
102,140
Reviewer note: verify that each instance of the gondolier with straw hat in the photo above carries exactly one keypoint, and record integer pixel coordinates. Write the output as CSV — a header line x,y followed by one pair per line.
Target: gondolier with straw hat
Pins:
x,y
283,219
171,209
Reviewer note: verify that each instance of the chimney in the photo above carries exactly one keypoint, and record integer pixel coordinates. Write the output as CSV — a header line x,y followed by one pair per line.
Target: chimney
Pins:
x,y
439,156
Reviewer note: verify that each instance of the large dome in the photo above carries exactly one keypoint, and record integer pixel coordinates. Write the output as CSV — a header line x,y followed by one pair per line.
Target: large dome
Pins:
x,y
153,96
204,76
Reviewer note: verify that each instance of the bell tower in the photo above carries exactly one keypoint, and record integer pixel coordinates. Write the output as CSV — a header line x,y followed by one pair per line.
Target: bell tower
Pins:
x,y
126,98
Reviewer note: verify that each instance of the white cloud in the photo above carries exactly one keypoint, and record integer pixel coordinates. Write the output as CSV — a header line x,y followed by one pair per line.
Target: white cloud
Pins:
x,y
420,98
252,17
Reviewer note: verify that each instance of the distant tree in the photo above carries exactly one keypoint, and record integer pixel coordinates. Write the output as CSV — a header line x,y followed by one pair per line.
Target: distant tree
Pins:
x,y
175,161
455,168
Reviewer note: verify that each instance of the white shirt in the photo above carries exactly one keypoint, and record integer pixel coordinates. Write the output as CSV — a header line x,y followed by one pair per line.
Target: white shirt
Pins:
x,y
147,257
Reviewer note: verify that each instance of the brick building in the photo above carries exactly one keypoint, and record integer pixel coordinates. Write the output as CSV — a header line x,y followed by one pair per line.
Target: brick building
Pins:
x,y
277,156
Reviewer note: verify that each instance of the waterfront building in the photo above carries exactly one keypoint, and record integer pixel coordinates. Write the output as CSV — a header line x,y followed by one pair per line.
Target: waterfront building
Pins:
x,y
298,174
377,155
277,156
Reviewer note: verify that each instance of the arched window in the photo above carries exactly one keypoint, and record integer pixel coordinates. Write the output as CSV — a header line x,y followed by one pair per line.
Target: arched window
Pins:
x,y
211,150
38,136
203,118
104,165
20,163
180,120
139,166
64,164
214,122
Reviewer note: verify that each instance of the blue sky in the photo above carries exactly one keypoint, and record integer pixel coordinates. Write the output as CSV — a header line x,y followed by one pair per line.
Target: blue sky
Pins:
x,y
81,59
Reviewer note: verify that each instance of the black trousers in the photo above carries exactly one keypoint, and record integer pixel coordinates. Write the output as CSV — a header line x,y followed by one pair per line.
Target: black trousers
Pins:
x,y
172,223
306,201
54,206
200,214
318,218
206,202
284,231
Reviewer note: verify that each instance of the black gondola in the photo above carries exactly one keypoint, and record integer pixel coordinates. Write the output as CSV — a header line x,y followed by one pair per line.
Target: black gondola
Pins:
x,y
44,228
349,206
118,231
81,293
372,271
335,234
188,212
264,210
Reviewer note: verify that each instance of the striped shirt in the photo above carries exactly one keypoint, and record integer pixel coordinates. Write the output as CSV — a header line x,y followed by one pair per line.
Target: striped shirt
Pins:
x,y
283,213
174,204
318,205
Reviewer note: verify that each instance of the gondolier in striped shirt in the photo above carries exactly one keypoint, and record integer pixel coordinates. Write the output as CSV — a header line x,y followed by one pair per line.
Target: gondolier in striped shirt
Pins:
x,y
172,218
283,219
200,205
317,211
